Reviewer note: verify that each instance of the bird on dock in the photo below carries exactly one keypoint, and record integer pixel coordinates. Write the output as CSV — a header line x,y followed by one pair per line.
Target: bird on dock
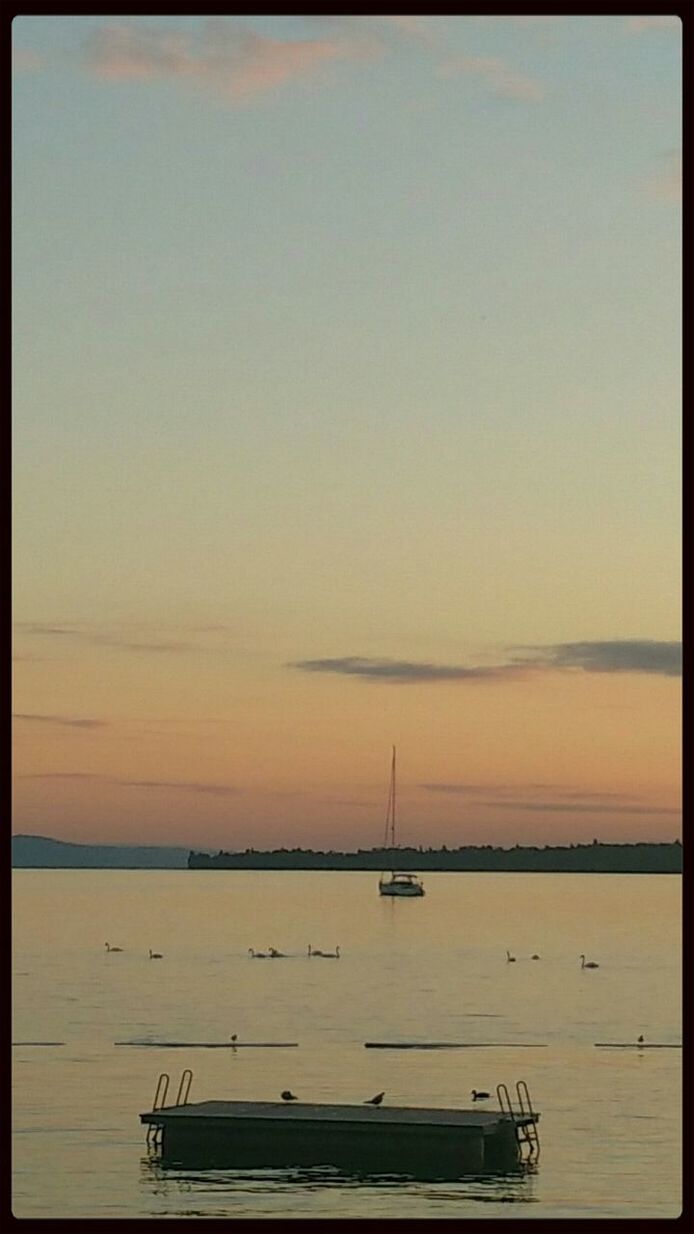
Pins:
x,y
534,957
257,955
155,955
109,948
510,959
375,1100
311,951
588,963
288,1096
479,1096
329,955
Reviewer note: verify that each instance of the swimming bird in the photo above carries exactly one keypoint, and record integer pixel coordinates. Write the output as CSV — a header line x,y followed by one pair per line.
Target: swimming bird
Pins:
x,y
588,963
375,1100
479,1096
276,955
534,957
234,1038
155,955
329,955
640,1040
312,952
257,955
511,959
110,948
287,1096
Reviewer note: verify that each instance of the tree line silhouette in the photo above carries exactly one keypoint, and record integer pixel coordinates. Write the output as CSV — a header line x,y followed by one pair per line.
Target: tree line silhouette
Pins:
x,y
595,858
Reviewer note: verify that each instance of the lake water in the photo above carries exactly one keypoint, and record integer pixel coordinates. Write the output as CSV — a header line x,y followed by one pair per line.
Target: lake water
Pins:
x,y
429,969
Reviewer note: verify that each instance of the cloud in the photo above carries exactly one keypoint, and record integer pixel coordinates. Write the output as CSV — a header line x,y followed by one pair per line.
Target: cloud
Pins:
x,y
99,638
615,656
403,671
476,789
625,656
566,807
643,24
25,60
501,80
187,786
665,184
222,57
61,721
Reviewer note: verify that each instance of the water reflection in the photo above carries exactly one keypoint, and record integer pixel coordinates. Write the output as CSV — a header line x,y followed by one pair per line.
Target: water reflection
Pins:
x,y
174,1183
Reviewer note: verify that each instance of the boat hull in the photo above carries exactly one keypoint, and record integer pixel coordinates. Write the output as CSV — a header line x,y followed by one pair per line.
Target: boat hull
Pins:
x,y
390,889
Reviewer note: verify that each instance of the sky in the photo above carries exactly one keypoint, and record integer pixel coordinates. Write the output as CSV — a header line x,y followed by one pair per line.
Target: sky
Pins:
x,y
347,409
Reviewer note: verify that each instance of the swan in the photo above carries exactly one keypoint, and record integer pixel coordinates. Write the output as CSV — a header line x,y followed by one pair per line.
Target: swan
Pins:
x,y
511,959
588,963
329,955
257,955
155,955
276,955
312,952
110,948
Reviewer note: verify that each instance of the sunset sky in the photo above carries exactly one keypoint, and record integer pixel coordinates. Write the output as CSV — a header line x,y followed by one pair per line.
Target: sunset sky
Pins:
x,y
347,405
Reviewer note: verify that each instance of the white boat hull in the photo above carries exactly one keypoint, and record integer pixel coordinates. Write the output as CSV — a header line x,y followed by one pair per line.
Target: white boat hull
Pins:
x,y
400,889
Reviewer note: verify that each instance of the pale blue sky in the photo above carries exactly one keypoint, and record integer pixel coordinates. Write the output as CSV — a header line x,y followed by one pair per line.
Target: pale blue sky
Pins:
x,y
355,337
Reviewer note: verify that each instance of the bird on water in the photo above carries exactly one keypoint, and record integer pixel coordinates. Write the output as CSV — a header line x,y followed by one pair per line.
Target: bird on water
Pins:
x,y
257,955
534,957
511,959
588,963
288,1096
312,952
640,1040
155,955
375,1100
479,1096
329,955
274,954
110,948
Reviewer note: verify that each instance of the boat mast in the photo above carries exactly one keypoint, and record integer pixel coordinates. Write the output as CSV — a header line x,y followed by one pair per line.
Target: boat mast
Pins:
x,y
392,793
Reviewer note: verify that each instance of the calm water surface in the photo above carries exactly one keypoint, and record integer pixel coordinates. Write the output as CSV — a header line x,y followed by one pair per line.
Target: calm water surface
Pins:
x,y
430,969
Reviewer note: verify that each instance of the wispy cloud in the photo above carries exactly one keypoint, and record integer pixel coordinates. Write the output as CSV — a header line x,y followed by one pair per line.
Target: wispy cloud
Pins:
x,y
499,78
403,671
25,60
665,183
60,721
465,789
186,786
223,56
102,638
614,656
567,807
643,24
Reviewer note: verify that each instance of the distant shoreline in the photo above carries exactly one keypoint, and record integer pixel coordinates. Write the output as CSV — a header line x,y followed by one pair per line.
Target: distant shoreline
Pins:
x,y
42,852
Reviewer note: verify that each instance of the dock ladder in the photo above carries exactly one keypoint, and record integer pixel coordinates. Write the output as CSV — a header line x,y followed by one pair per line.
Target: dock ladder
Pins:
x,y
524,1120
154,1130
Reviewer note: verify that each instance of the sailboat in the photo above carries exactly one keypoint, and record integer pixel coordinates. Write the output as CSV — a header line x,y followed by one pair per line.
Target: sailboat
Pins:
x,y
395,884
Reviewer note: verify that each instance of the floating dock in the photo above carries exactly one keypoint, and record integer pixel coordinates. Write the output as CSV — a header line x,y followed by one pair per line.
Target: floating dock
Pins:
x,y
426,1143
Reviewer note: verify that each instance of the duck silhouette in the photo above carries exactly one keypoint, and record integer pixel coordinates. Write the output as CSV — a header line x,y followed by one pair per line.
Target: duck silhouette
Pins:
x,y
481,1096
288,1096
377,1100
